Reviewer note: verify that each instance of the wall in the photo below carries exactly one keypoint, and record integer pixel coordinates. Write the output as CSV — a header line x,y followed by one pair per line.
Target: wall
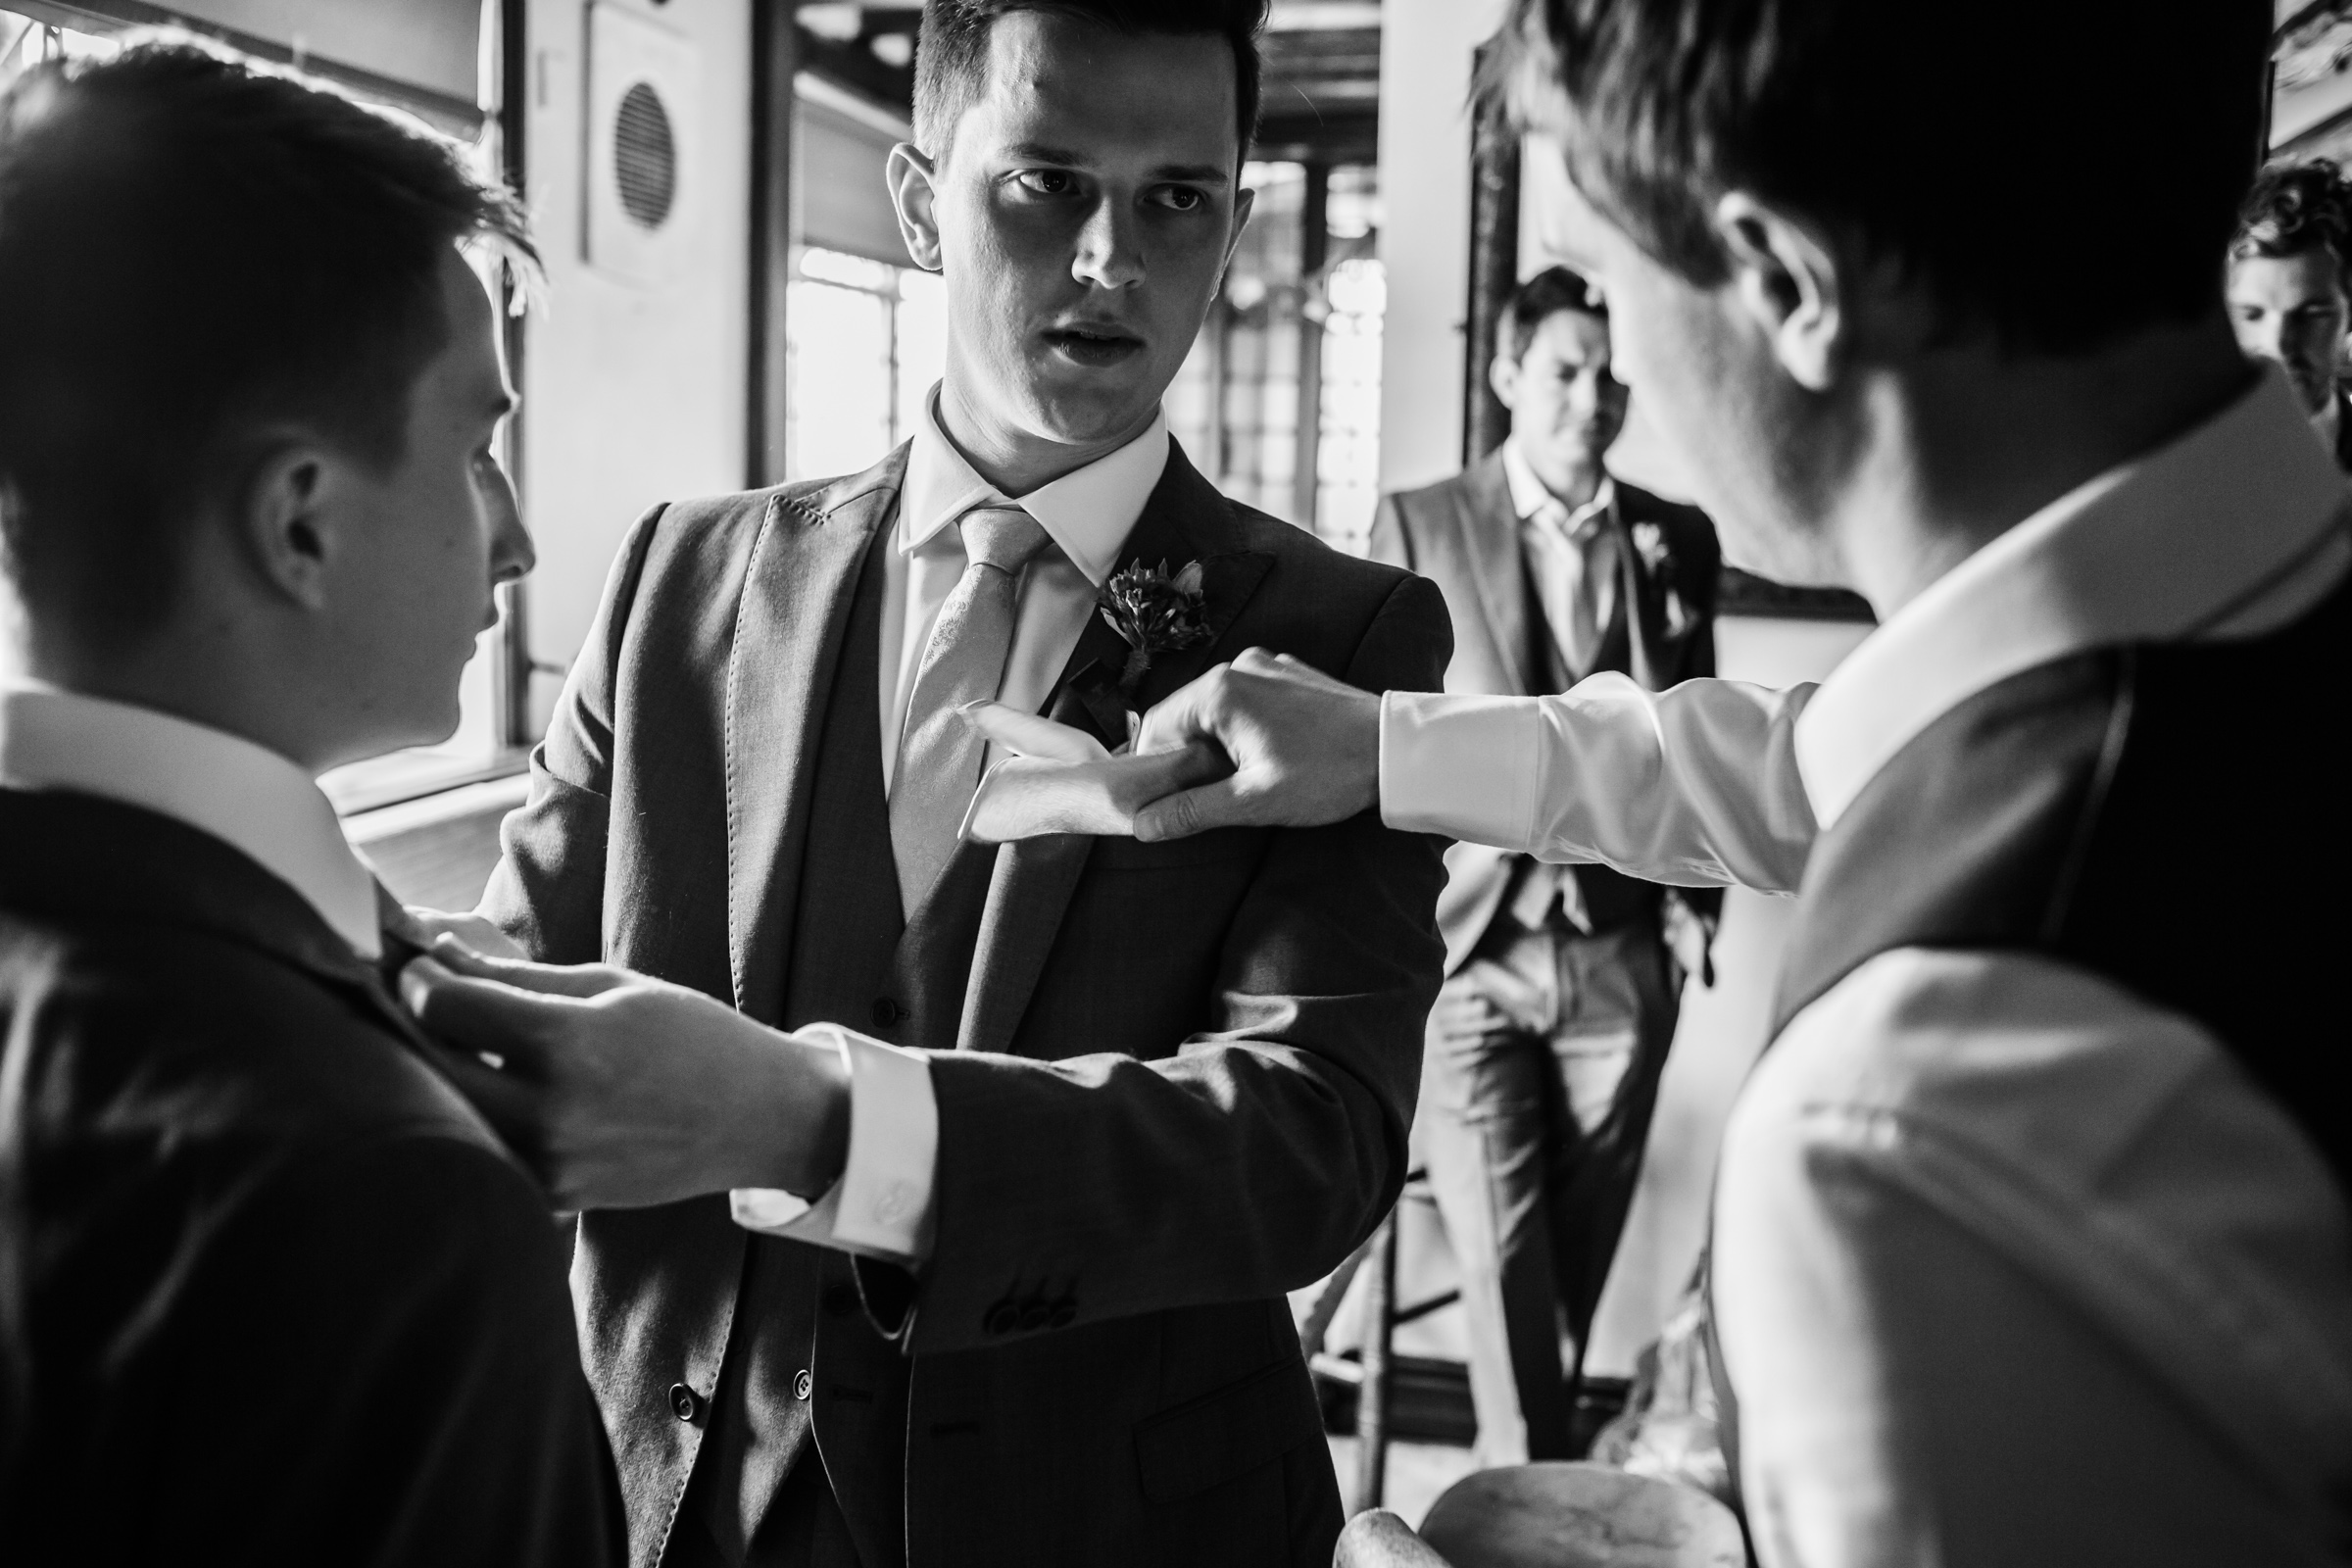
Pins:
x,y
633,393
1425,60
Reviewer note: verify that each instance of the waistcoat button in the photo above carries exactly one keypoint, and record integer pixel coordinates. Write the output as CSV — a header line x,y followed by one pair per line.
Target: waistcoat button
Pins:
x,y
802,1383
887,1013
687,1403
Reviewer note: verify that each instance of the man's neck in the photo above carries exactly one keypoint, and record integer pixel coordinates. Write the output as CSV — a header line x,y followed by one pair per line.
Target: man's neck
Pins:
x,y
1013,460
1957,447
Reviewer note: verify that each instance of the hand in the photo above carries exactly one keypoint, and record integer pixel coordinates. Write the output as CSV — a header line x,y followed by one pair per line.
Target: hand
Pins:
x,y
623,1091
420,926
1304,748
1064,781
1464,1019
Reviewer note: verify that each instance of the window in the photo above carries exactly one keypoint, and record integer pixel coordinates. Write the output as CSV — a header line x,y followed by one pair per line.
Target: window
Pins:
x,y
865,344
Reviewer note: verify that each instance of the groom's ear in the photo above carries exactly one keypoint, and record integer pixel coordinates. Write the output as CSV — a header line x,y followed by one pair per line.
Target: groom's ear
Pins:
x,y
283,520
913,193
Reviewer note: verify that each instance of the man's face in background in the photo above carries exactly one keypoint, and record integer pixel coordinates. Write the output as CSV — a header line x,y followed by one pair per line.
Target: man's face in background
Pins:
x,y
1081,216
2292,310
1566,405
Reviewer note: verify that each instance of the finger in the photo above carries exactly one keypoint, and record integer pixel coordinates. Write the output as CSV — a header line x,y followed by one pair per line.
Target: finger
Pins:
x,y
1190,812
1136,781
481,1015
546,979
1182,716
510,1104
1032,734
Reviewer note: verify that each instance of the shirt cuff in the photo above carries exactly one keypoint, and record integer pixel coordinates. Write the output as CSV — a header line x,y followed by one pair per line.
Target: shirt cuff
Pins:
x,y
881,1206
1460,766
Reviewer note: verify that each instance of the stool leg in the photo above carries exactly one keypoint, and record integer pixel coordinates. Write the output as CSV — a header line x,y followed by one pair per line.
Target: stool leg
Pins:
x,y
1372,1399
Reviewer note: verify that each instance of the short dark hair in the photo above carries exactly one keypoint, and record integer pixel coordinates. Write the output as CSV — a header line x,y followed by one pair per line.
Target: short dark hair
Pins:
x,y
201,245
950,51
1998,159
2299,206
1538,300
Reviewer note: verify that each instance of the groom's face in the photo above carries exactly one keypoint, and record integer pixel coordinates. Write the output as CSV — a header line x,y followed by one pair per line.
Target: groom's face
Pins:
x,y
1082,213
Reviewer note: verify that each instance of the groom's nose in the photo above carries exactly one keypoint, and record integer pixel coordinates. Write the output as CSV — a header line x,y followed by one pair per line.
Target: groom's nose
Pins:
x,y
1110,251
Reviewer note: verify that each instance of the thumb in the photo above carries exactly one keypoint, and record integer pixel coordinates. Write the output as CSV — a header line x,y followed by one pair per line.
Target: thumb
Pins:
x,y
546,979
1190,812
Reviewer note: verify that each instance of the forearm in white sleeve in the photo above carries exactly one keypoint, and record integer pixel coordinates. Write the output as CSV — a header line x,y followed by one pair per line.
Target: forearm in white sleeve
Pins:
x,y
1694,786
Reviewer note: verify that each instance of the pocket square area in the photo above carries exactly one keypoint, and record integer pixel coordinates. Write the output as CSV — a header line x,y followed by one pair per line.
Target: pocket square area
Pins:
x,y
1067,783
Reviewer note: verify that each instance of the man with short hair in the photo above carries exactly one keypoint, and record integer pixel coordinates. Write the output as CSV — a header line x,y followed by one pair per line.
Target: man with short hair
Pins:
x,y
2032,1243
1544,1049
2290,301
1074,1113
271,1292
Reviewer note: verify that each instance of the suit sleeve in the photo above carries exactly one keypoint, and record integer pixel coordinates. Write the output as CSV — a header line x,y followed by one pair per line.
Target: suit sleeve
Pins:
x,y
1252,1161
547,890
392,1329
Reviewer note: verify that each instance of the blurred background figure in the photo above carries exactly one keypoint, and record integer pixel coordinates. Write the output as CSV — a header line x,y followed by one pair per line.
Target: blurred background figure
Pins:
x,y
2288,299
1546,1045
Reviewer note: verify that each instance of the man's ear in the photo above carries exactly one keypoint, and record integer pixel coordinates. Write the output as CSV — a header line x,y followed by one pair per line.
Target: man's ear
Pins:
x,y
1784,276
284,523
1245,201
1502,375
914,196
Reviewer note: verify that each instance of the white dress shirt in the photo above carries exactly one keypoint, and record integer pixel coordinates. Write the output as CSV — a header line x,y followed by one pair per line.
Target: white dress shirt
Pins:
x,y
1960,1179
1573,555
882,1205
245,795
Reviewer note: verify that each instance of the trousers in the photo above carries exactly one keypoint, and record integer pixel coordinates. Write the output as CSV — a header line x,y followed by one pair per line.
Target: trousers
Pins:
x,y
1540,1078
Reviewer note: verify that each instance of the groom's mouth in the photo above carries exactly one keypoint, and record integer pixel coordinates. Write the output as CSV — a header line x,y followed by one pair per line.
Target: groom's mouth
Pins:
x,y
1094,347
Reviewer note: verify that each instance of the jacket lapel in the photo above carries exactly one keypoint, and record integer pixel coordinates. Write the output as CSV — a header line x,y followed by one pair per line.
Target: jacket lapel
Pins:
x,y
1489,543
1186,519
798,589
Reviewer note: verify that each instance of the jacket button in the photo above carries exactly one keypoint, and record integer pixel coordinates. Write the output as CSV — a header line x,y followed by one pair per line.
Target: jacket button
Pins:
x,y
887,1013
1001,1318
841,1299
1036,1313
685,1403
802,1383
1065,1312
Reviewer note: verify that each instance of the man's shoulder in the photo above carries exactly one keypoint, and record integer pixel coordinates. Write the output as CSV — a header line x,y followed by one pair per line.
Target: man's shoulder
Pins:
x,y
703,522
1480,492
226,1043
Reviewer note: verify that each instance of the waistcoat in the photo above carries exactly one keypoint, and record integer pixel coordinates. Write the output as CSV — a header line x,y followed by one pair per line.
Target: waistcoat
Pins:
x,y
804,1362
2168,816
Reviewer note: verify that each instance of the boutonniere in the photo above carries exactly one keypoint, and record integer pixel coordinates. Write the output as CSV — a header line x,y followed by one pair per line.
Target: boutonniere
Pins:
x,y
1153,613
1649,543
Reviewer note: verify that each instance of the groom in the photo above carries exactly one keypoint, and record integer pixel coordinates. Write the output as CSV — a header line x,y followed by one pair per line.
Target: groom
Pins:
x,y
1107,1101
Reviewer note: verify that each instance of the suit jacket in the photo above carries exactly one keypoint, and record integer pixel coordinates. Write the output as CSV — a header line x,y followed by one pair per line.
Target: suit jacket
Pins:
x,y
1174,1081
1464,534
270,1290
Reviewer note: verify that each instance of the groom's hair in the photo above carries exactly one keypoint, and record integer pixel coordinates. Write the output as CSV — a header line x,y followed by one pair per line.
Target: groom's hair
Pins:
x,y
196,249
950,51
1992,154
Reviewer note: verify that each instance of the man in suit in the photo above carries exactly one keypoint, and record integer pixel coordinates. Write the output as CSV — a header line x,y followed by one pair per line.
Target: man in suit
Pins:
x,y
1545,1045
1073,1113
271,1292
2290,300
2033,1226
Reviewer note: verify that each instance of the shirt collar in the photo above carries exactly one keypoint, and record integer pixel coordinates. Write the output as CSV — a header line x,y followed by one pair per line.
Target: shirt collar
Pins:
x,y
247,795
2224,530
1529,496
1087,512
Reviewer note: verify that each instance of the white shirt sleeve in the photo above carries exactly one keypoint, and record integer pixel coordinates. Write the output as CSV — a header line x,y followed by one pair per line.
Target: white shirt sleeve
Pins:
x,y
881,1206
2013,1268
1694,786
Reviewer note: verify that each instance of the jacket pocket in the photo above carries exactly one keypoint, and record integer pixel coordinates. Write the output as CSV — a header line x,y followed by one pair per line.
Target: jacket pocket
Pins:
x,y
1228,1433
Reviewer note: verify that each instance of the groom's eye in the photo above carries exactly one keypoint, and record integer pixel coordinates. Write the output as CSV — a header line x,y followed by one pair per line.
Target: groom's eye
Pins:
x,y
1183,198
1046,181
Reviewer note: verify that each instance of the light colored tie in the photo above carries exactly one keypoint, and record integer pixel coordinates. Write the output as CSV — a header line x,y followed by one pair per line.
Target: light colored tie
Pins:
x,y
1574,574
940,755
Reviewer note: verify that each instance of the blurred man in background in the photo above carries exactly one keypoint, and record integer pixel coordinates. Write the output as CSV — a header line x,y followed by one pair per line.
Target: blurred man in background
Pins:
x,y
2288,299
1546,1046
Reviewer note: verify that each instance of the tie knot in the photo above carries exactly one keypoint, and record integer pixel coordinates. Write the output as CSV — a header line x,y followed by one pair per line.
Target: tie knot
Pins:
x,y
1002,537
